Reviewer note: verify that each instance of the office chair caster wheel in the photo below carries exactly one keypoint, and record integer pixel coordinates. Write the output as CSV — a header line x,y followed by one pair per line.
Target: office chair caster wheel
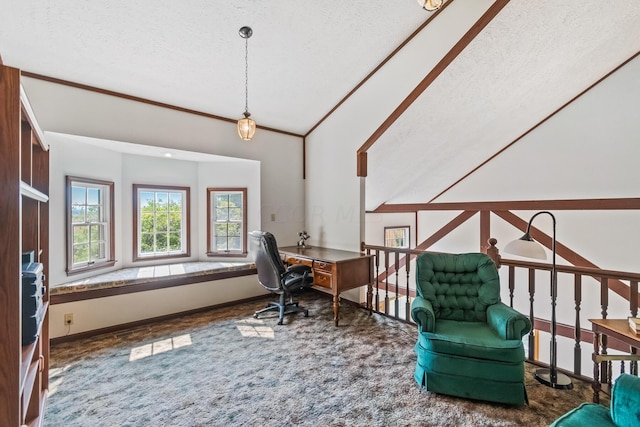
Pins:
x,y
306,313
255,315
279,322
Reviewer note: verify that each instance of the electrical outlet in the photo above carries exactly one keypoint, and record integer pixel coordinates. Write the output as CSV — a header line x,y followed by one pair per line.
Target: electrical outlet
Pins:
x,y
68,319
273,217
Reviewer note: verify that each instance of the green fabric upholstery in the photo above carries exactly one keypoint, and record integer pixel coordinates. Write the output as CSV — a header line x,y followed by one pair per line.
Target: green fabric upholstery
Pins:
x,y
625,401
469,343
624,410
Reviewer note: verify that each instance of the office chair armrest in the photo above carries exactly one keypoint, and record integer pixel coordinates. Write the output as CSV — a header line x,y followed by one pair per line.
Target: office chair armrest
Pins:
x,y
507,322
297,268
422,314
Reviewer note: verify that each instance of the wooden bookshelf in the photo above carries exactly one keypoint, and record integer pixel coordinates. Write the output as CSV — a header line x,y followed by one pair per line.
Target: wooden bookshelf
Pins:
x,y
24,188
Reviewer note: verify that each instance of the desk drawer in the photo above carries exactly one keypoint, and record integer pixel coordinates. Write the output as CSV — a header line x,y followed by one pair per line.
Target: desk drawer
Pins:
x,y
322,266
289,260
321,278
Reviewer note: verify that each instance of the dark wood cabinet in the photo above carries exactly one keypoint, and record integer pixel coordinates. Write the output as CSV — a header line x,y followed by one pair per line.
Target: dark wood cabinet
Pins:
x,y
24,227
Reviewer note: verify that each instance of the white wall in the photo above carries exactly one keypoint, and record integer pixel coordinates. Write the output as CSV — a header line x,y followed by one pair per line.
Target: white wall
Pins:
x,y
100,313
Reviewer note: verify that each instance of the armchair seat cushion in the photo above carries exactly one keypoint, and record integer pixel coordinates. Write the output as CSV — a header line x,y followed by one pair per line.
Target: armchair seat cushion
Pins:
x,y
474,340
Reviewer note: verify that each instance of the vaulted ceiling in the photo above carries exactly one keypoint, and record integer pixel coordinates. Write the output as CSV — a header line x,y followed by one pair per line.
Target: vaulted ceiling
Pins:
x,y
305,56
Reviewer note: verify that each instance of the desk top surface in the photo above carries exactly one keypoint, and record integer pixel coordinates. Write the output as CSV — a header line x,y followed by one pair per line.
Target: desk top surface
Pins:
x,y
320,253
618,327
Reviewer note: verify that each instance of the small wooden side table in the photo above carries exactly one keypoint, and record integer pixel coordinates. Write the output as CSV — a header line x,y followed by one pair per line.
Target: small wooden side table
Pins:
x,y
602,330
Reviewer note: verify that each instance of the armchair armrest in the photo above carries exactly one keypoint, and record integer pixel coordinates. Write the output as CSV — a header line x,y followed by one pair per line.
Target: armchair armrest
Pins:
x,y
422,314
297,268
625,398
297,276
507,322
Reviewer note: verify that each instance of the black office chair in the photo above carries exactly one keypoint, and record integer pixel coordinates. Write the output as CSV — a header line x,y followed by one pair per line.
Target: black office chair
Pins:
x,y
273,275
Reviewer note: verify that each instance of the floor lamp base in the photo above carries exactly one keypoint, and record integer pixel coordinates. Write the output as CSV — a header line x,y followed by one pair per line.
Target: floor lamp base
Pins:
x,y
562,382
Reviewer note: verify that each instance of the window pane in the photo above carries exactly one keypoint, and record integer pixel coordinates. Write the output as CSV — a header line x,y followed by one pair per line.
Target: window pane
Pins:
x,y
96,232
222,200
147,222
175,222
162,200
80,234
93,213
80,253
234,244
222,214
161,242
78,195
147,201
93,196
234,229
162,222
77,214
221,230
175,202
221,244
235,199
235,214
174,242
95,251
146,243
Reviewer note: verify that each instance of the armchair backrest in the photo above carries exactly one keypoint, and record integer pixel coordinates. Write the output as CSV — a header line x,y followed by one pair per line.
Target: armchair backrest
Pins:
x,y
264,251
459,286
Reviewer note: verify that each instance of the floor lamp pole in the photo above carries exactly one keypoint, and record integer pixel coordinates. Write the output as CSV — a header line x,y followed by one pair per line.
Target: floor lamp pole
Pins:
x,y
527,247
550,377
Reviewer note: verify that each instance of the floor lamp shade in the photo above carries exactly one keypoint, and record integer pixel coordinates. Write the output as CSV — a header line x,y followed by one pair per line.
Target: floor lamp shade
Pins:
x,y
527,247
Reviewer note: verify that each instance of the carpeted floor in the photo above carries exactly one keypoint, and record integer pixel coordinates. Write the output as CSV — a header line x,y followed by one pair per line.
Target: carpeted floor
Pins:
x,y
224,368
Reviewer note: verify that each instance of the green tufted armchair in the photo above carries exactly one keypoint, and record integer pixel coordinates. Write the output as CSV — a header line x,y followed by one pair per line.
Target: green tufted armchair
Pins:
x,y
469,343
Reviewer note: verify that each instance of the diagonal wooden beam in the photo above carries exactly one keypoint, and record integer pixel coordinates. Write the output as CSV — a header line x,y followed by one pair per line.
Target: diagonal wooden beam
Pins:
x,y
563,251
473,32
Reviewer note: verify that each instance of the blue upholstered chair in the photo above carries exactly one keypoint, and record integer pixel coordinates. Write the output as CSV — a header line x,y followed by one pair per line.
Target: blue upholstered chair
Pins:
x,y
623,411
469,343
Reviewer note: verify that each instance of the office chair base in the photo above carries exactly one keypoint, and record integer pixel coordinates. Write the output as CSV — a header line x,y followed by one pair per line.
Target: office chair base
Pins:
x,y
284,309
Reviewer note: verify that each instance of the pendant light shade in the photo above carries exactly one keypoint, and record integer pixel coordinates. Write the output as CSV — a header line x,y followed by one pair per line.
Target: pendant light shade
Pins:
x,y
431,5
246,125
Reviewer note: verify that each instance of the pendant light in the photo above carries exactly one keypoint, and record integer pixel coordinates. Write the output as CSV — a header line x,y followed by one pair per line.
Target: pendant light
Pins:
x,y
246,125
431,5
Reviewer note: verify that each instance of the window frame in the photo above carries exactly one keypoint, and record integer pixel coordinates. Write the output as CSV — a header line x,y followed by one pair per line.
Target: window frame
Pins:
x,y
405,228
136,188
108,211
211,252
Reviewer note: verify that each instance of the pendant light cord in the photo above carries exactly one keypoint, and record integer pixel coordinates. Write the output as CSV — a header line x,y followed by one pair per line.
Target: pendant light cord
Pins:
x,y
246,75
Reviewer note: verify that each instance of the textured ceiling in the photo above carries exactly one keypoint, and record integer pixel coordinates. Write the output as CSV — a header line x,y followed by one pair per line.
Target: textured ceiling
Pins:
x,y
304,55
528,62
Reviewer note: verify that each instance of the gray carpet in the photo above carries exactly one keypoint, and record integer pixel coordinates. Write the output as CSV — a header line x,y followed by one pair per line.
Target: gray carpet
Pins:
x,y
224,368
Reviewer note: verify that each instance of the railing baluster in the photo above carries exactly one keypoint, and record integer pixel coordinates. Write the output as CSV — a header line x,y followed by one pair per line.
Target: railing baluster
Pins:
x,y
396,305
604,296
577,350
633,298
532,291
386,282
407,266
377,280
512,284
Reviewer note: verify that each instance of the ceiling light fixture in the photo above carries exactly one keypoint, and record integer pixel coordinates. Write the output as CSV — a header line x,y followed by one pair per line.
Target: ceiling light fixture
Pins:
x,y
246,125
431,5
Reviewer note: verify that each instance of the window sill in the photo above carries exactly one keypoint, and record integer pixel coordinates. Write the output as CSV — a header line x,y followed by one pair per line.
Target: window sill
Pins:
x,y
139,279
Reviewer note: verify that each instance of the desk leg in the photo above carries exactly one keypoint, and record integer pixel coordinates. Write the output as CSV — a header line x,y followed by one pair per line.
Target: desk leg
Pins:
x,y
596,368
336,307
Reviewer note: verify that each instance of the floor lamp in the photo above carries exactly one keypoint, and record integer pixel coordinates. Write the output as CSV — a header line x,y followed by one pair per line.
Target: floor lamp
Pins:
x,y
527,247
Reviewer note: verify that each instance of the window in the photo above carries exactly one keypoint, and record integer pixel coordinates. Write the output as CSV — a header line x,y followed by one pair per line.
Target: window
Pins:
x,y
90,229
161,222
226,221
396,237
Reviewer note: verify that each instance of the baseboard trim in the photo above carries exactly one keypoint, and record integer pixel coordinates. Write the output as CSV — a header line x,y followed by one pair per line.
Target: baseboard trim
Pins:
x,y
130,325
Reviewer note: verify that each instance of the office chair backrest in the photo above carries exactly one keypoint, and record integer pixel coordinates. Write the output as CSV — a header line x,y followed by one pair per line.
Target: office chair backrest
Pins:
x,y
264,250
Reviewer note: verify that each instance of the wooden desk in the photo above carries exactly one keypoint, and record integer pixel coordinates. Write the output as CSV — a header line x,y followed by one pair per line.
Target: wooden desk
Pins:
x,y
334,271
602,330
